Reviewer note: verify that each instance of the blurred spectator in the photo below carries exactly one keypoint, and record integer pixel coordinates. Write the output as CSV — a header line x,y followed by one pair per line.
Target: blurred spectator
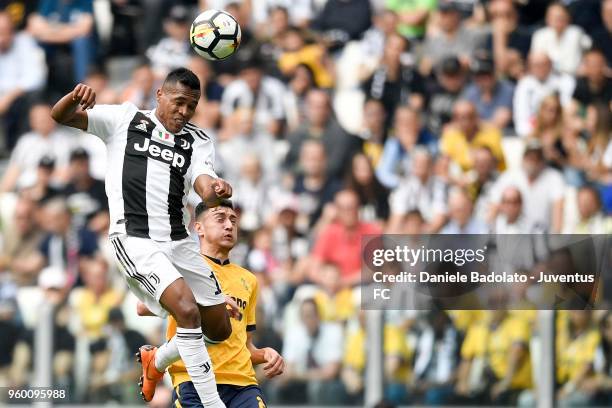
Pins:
x,y
534,87
460,215
296,51
397,354
436,360
208,112
548,130
114,371
503,342
507,34
313,354
65,23
335,302
492,97
44,188
562,42
298,12
591,220
510,218
64,247
373,196
339,242
18,11
374,130
140,90
576,343
98,80
408,135
23,72
45,139
254,90
299,84
172,51
594,87
603,34
394,81
253,193
94,301
124,39
85,195
480,181
244,139
321,124
466,133
373,42
413,16
313,187
453,39
542,189
600,384
289,243
444,91
598,125
20,242
340,21
421,190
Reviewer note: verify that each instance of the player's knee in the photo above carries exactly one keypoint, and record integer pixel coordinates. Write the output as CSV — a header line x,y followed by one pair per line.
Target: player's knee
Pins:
x,y
220,332
187,314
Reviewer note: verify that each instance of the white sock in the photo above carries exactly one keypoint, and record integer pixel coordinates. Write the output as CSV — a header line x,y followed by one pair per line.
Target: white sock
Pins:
x,y
190,344
166,354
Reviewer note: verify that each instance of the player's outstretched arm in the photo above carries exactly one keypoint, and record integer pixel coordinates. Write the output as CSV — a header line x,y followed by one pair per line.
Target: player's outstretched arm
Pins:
x,y
211,190
66,110
274,362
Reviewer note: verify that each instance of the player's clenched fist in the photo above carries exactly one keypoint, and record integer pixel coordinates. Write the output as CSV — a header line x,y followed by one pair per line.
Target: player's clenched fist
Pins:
x,y
222,188
84,95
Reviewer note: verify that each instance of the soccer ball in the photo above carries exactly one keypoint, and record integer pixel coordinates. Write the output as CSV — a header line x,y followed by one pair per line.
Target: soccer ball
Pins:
x,y
215,35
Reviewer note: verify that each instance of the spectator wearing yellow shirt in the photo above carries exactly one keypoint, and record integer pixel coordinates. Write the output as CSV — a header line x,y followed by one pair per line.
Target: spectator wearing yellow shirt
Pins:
x,y
503,343
577,340
466,133
296,51
335,303
599,386
397,362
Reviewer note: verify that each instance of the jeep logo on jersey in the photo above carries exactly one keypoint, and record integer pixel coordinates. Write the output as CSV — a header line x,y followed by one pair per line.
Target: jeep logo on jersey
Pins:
x,y
159,153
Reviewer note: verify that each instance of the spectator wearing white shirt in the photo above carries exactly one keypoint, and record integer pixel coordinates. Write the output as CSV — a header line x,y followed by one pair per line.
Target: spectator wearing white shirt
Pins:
x,y
461,219
173,50
23,70
254,90
511,219
313,354
542,189
534,87
45,140
422,191
563,42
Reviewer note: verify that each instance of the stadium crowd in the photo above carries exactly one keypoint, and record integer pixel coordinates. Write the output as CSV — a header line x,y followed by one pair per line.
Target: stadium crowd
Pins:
x,y
335,119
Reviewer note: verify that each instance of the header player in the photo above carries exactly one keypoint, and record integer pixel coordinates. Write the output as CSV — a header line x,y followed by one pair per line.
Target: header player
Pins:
x,y
155,157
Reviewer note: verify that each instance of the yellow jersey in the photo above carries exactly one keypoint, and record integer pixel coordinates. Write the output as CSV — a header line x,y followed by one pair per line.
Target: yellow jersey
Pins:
x,y
494,343
455,145
231,359
573,354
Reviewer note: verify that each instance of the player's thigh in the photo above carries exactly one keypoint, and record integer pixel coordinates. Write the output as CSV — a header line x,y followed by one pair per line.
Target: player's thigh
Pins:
x,y
185,395
146,268
242,397
199,277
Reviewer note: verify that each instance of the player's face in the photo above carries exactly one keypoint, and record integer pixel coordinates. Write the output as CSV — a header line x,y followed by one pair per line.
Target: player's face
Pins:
x,y
220,227
176,105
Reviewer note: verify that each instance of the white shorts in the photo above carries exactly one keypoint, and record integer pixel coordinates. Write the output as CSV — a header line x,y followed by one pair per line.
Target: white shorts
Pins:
x,y
149,267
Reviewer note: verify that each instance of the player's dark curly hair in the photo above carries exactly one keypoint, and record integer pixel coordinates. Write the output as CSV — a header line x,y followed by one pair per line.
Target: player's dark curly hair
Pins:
x,y
184,77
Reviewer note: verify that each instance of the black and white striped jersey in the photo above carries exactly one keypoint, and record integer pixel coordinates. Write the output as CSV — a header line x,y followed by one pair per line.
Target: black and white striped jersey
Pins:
x,y
150,170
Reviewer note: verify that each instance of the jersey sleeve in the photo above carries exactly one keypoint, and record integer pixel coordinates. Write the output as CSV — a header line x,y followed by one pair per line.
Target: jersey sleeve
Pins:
x,y
203,161
104,120
252,308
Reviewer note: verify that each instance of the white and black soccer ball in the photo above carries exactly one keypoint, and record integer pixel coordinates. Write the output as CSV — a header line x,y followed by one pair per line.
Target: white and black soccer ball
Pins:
x,y
215,35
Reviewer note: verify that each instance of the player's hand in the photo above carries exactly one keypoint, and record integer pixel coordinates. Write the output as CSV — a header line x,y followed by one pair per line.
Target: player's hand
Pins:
x,y
275,364
84,95
233,310
222,188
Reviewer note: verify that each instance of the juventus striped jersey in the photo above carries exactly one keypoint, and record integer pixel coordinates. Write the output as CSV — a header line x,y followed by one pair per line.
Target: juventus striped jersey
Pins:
x,y
150,170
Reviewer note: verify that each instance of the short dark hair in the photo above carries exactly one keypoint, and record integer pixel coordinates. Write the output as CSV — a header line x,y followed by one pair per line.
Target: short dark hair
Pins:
x,y
201,208
184,77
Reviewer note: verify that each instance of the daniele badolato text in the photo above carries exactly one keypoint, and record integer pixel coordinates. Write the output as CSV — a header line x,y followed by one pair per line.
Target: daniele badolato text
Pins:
x,y
479,277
